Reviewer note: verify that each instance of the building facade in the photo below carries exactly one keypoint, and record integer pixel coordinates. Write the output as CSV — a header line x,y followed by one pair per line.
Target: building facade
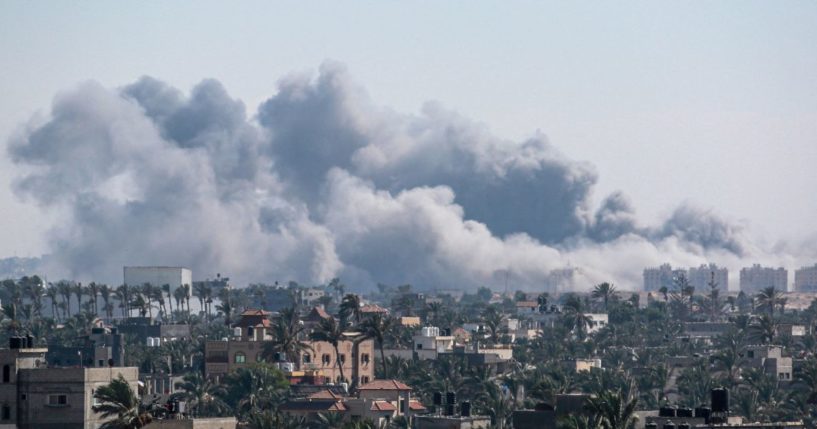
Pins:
x,y
756,278
704,275
805,279
158,276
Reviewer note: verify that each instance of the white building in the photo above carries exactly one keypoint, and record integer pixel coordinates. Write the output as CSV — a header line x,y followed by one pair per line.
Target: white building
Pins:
x,y
158,276
756,278
805,279
701,277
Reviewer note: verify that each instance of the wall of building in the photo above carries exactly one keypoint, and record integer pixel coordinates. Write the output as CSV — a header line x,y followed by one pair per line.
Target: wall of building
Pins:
x,y
158,276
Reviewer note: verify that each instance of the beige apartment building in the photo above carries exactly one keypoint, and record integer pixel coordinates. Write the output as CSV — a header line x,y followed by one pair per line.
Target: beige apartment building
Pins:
x,y
253,332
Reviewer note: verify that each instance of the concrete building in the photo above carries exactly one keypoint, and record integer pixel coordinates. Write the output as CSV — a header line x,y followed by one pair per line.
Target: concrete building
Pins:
x,y
756,278
144,327
253,331
702,276
33,396
663,276
158,276
197,423
805,279
102,348
770,359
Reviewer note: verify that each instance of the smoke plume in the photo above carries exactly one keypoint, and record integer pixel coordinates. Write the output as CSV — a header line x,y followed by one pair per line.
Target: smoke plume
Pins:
x,y
321,182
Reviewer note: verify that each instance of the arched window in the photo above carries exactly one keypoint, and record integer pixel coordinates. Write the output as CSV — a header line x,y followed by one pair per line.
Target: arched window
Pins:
x,y
326,359
6,373
240,358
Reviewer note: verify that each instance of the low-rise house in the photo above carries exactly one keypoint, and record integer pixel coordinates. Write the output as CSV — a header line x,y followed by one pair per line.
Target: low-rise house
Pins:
x,y
770,359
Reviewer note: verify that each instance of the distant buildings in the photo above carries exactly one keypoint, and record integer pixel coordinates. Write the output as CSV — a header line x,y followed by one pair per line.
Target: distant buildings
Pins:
x,y
756,278
805,279
698,277
701,277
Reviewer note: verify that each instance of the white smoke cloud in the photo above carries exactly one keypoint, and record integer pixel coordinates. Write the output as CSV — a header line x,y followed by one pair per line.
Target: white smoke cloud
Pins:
x,y
323,183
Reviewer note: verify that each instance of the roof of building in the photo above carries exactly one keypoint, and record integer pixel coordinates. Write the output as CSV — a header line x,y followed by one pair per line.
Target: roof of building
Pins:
x,y
373,308
415,405
527,304
382,406
313,405
384,385
255,312
325,394
316,314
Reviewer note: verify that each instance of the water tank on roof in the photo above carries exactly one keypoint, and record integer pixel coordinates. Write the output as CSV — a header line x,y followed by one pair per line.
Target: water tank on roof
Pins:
x,y
449,410
450,398
684,412
465,409
651,425
683,426
720,400
438,398
669,425
666,412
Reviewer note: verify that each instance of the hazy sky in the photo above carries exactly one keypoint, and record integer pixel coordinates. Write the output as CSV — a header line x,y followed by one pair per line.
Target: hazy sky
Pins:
x,y
711,102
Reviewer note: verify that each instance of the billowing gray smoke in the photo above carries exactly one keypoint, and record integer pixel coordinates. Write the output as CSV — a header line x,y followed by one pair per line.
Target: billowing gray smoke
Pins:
x,y
324,183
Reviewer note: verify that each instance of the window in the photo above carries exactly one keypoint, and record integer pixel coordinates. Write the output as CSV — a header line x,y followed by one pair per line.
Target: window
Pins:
x,y
364,379
6,373
342,358
307,358
364,358
240,358
259,357
57,400
419,346
326,359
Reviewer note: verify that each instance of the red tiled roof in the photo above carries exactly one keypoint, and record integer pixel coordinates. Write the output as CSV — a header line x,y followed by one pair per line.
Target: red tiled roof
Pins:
x,y
383,406
384,385
317,405
317,313
373,308
255,312
325,394
415,405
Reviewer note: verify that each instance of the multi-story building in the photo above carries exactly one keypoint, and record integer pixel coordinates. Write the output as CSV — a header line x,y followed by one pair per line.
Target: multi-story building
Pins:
x,y
663,276
756,278
145,329
252,333
701,277
101,348
770,359
33,396
158,276
805,279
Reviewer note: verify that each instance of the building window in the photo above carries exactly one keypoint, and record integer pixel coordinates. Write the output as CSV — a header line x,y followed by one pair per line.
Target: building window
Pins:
x,y
364,379
6,373
307,358
240,358
342,358
326,359
364,358
419,346
259,357
6,412
57,400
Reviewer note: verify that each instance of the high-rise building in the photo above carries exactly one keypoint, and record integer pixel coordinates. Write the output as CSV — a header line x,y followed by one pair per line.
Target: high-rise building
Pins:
x,y
702,276
756,278
805,279
663,276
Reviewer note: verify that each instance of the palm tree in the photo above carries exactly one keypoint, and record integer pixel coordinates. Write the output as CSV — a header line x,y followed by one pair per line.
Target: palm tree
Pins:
x,y
52,293
762,330
286,339
64,289
202,395
118,402
350,308
614,410
575,318
78,291
605,291
105,293
770,298
328,420
379,327
200,291
146,292
493,318
330,331
10,311
93,291
166,289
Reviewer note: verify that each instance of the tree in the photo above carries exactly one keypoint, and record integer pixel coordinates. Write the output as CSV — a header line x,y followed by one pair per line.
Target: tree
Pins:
x,y
286,338
493,318
769,298
762,330
118,402
330,331
605,292
350,308
614,410
254,388
203,397
575,318
379,327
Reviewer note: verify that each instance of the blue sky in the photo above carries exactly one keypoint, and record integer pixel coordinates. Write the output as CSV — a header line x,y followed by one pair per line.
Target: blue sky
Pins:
x,y
711,102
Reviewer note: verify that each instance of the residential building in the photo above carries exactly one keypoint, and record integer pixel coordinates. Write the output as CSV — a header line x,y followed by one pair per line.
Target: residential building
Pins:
x,y
319,364
756,278
309,297
144,328
663,276
158,276
196,423
101,348
770,359
33,396
805,279
701,278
